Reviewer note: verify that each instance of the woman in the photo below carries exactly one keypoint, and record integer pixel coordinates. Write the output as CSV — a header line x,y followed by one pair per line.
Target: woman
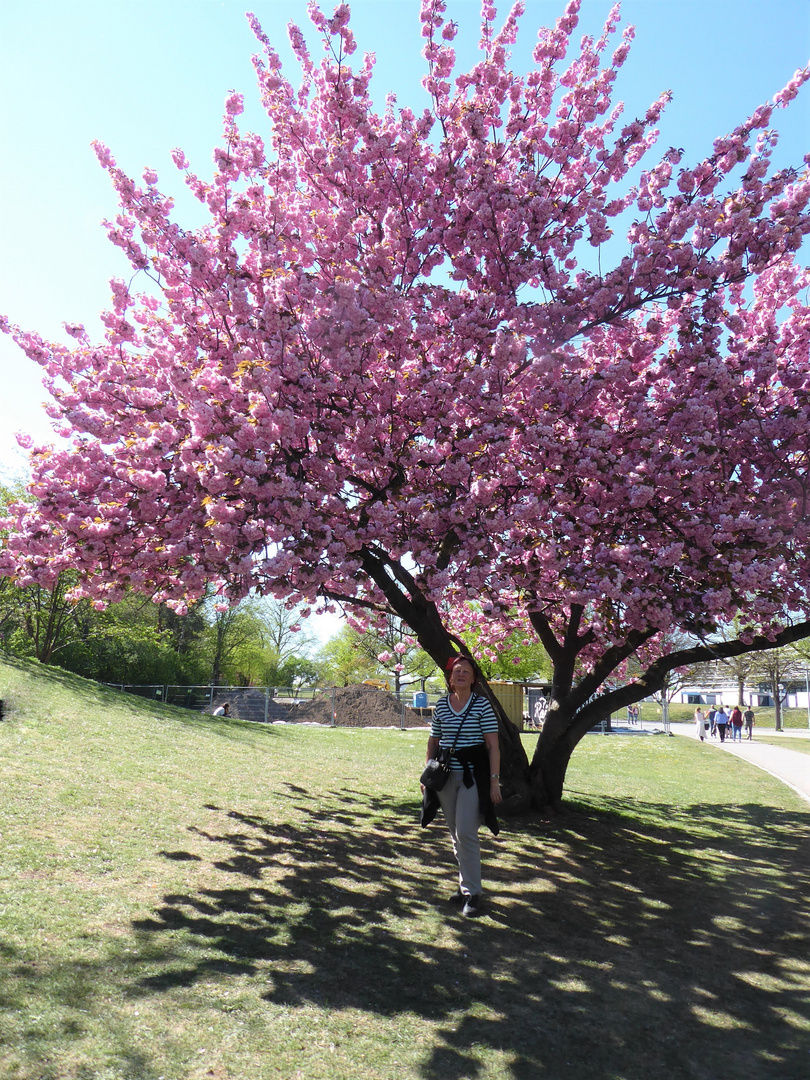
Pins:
x,y
720,722
736,721
465,722
700,723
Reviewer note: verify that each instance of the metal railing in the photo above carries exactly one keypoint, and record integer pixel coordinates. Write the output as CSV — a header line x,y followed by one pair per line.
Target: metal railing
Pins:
x,y
345,706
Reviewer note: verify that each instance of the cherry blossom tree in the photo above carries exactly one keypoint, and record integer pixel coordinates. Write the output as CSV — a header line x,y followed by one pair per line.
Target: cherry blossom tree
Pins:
x,y
397,371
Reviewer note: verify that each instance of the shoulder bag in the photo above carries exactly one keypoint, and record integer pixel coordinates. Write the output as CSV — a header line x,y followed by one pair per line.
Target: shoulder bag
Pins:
x,y
437,769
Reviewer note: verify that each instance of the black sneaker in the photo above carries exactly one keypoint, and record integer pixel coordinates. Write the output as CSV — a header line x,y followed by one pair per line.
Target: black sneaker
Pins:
x,y
457,899
472,907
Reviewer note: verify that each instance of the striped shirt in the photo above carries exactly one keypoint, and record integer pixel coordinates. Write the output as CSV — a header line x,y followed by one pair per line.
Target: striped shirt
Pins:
x,y
475,722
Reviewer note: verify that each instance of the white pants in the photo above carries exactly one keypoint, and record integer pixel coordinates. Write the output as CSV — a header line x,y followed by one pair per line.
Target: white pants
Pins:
x,y
463,815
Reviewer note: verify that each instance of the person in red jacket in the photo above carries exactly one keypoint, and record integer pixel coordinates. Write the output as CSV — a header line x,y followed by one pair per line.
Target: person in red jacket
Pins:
x,y
736,724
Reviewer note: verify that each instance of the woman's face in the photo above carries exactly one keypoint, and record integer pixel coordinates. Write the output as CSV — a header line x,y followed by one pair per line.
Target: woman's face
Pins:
x,y
462,675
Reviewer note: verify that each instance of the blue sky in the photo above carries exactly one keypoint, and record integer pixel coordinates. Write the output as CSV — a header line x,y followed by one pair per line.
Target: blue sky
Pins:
x,y
145,76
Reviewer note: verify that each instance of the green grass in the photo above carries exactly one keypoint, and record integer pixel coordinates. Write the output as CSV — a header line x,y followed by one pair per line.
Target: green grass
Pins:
x,y
802,745
191,898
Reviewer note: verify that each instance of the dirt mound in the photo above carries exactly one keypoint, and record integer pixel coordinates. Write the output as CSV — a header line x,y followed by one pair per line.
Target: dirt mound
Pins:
x,y
356,706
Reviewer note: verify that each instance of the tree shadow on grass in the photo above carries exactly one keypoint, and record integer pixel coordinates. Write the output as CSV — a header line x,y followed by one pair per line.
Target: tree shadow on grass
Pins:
x,y
618,942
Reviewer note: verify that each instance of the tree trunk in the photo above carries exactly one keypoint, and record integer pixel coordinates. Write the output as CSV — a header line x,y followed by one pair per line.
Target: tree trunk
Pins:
x,y
515,782
219,650
408,602
555,745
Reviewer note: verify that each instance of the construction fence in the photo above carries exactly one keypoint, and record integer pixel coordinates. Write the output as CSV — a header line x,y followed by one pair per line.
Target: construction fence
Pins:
x,y
349,706
354,706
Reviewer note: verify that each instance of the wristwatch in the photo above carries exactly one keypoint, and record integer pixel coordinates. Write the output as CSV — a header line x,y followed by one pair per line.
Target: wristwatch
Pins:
x,y
494,776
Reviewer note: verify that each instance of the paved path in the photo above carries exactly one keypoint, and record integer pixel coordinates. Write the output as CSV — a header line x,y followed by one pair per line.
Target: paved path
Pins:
x,y
792,767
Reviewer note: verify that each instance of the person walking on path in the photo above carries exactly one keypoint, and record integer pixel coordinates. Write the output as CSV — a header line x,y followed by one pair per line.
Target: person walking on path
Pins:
x,y
748,718
720,722
700,723
711,715
736,721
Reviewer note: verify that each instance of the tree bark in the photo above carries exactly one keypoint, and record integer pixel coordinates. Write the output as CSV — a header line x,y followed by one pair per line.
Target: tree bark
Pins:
x,y
777,705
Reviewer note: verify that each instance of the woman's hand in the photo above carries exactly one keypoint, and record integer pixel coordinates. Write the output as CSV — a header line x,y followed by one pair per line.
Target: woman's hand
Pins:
x,y
495,791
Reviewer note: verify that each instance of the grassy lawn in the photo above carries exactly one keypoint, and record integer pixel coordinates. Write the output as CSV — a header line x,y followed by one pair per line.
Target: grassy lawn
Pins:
x,y
802,745
188,898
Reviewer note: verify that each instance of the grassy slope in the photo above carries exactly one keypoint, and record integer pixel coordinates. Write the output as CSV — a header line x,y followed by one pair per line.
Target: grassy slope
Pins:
x,y
185,898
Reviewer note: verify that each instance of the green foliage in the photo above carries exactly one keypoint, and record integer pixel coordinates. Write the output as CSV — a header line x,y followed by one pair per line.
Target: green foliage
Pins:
x,y
257,643
135,641
518,658
342,661
296,672
350,657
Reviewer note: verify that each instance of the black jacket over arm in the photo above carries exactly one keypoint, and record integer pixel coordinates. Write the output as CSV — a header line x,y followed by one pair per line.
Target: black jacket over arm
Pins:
x,y
475,760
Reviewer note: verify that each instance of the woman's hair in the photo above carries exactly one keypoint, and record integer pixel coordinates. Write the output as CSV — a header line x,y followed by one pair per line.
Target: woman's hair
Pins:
x,y
448,671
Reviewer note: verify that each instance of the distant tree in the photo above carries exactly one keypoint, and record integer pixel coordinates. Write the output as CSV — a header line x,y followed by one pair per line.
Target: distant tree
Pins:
x,y
342,661
739,670
508,655
251,642
674,681
775,668
46,618
235,644
283,632
10,595
132,641
186,631
296,672
736,669
391,645
673,684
